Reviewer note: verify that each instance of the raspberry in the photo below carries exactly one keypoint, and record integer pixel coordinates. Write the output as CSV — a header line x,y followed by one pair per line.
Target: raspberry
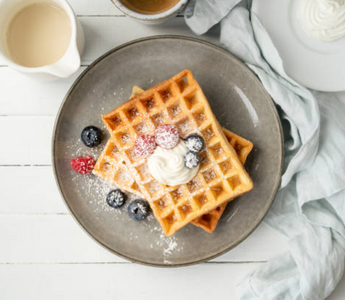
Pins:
x,y
145,145
167,136
83,164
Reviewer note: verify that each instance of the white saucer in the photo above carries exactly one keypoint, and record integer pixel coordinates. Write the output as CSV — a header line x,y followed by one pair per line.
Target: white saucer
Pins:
x,y
314,64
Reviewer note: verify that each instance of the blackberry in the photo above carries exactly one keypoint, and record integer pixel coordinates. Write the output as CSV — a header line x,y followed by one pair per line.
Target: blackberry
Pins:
x,y
91,136
138,210
195,143
116,198
191,159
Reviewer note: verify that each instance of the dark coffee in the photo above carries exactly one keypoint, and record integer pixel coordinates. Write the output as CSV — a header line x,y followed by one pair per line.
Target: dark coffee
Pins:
x,y
149,7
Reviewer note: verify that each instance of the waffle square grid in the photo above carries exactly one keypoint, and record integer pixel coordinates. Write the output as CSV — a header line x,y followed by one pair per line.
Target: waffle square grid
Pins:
x,y
179,101
243,147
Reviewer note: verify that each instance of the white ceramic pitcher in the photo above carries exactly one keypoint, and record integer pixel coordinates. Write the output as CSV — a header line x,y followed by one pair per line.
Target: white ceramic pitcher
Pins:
x,y
67,65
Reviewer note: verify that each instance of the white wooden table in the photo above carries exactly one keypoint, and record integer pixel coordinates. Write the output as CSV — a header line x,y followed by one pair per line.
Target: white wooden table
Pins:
x,y
44,254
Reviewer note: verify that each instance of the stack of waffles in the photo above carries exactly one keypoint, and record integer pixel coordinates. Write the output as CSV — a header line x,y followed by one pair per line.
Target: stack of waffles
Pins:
x,y
221,176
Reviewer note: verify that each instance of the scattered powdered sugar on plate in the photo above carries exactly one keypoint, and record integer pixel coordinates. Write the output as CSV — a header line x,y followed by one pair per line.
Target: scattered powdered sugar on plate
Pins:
x,y
78,150
169,244
171,247
91,184
96,189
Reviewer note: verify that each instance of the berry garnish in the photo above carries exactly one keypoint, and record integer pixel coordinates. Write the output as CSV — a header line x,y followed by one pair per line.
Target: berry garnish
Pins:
x,y
167,136
83,164
91,136
145,145
191,159
138,210
195,143
116,198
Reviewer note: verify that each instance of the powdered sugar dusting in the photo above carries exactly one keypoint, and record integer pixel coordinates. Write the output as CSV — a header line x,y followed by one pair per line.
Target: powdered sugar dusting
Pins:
x,y
94,190
194,185
145,145
184,126
192,159
170,244
174,110
158,119
209,175
153,187
125,138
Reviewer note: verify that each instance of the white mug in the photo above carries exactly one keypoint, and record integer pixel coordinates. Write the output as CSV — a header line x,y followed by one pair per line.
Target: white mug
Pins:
x,y
69,62
153,19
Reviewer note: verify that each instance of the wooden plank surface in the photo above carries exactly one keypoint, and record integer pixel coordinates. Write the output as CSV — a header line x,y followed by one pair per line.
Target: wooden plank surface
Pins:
x,y
33,97
102,34
44,253
57,238
105,33
29,138
39,98
38,183
125,281
95,8
128,281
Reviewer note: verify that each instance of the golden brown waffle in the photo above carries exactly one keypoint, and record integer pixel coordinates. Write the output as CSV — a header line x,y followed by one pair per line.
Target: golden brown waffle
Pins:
x,y
243,147
179,101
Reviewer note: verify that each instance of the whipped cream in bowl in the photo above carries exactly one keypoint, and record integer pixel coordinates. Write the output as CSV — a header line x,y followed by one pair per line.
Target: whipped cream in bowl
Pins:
x,y
167,166
323,20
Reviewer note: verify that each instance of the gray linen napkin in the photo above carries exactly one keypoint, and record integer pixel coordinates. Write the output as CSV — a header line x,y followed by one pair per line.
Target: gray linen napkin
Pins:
x,y
310,206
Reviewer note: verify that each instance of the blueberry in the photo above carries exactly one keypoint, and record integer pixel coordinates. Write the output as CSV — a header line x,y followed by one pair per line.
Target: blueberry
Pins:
x,y
138,210
91,136
191,159
116,198
195,143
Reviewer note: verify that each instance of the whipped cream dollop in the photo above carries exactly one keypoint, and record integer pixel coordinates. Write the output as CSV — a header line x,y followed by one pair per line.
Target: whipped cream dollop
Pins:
x,y
324,20
167,166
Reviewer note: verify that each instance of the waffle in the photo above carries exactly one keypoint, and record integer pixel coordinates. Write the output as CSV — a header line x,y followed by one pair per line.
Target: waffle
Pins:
x,y
179,101
243,147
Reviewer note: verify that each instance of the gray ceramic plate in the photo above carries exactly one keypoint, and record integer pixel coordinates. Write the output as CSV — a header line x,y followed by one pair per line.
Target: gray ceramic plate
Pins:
x,y
238,100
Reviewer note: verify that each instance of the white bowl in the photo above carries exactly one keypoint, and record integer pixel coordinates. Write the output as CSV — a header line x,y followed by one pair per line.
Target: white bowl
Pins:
x,y
154,18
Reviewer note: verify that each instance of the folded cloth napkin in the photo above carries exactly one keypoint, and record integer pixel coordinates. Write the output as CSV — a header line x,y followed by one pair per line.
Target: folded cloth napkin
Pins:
x,y
310,206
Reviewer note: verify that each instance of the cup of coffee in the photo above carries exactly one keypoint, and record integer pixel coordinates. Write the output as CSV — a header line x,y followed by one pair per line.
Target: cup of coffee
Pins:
x,y
150,11
41,38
